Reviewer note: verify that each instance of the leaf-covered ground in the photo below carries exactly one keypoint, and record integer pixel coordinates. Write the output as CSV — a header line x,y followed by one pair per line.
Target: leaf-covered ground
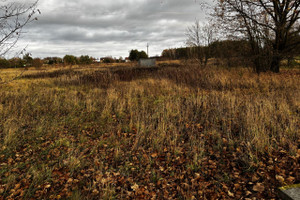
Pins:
x,y
123,173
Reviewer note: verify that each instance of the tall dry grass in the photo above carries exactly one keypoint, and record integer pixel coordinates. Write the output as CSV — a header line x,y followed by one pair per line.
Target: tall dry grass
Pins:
x,y
258,110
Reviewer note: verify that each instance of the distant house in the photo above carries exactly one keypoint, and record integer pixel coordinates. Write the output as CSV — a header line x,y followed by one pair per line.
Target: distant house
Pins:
x,y
96,60
127,60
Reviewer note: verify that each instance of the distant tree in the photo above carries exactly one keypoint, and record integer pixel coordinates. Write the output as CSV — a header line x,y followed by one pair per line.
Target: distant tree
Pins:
x,y
17,63
86,60
181,53
28,59
70,60
177,53
135,55
143,54
169,54
4,63
193,34
270,26
52,60
121,60
37,63
233,52
108,59
199,38
14,16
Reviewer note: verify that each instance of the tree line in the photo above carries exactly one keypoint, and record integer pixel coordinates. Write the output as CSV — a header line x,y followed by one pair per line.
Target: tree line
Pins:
x,y
228,53
28,61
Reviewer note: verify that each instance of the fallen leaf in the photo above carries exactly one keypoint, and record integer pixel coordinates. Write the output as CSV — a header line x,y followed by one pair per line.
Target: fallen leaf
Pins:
x,y
17,186
255,178
248,193
230,194
47,186
237,186
70,180
95,192
279,178
290,179
154,155
135,187
259,187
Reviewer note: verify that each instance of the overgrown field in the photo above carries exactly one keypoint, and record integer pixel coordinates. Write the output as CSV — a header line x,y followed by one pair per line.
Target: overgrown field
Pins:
x,y
177,132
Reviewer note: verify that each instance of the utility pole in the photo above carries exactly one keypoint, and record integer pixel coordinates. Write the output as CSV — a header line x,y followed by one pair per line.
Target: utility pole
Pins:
x,y
148,49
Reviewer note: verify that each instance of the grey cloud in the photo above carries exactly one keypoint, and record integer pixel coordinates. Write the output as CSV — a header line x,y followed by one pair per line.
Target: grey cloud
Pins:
x,y
109,27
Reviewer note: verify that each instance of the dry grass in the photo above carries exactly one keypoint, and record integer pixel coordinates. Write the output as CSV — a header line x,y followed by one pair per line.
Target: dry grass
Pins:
x,y
63,119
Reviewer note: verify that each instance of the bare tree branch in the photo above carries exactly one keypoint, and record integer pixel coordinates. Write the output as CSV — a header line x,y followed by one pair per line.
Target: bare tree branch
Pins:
x,y
13,18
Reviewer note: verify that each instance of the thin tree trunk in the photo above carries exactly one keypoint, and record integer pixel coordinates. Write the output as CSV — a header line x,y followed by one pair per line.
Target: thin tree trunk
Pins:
x,y
275,65
257,65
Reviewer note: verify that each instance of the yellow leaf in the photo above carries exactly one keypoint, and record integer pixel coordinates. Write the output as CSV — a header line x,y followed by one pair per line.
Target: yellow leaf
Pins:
x,y
230,194
47,186
279,178
135,187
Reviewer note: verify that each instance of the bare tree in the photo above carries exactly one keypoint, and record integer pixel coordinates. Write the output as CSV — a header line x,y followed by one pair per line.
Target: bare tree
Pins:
x,y
193,34
14,16
199,37
269,25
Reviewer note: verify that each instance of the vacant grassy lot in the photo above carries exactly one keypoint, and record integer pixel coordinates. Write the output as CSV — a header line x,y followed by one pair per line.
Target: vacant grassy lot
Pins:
x,y
178,132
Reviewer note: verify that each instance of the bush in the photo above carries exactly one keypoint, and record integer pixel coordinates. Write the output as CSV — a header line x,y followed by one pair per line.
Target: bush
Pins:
x,y
142,54
70,60
28,60
17,63
108,60
53,60
37,63
4,63
135,55
86,60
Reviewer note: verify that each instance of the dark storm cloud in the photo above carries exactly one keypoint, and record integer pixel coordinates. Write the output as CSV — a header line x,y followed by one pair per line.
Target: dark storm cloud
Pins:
x,y
105,27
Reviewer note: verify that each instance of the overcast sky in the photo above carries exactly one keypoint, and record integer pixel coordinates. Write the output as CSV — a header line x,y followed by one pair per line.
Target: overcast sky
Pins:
x,y
109,27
